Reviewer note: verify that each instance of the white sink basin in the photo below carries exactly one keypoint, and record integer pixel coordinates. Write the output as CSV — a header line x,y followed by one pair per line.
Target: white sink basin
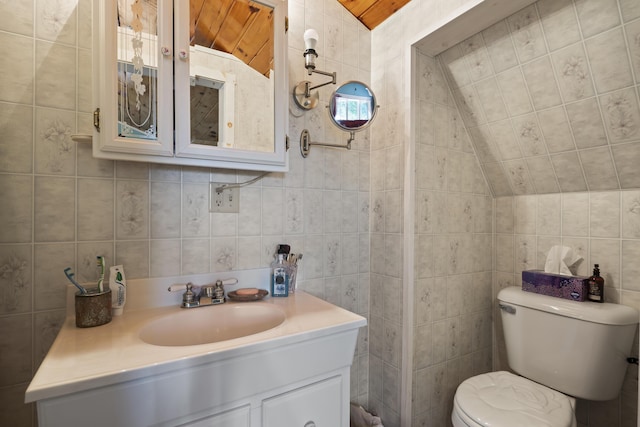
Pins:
x,y
204,325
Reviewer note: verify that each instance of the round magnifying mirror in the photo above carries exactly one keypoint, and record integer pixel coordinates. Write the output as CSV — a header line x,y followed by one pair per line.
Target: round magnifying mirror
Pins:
x,y
352,106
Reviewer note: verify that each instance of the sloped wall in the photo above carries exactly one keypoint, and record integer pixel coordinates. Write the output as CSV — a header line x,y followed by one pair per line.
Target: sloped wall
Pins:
x,y
549,97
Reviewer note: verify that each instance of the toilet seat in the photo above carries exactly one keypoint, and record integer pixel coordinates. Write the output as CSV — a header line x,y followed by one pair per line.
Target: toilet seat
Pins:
x,y
502,399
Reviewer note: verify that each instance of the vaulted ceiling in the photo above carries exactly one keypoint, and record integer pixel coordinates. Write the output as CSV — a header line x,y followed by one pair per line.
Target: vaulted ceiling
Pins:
x,y
373,12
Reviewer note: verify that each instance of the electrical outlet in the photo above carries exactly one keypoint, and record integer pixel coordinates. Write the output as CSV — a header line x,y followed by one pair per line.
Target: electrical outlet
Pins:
x,y
226,200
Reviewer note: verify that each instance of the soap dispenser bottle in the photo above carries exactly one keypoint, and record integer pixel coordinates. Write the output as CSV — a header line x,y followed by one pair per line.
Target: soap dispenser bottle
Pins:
x,y
596,286
280,275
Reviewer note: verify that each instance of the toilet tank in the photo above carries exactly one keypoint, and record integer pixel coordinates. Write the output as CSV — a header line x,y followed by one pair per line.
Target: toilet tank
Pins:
x,y
577,348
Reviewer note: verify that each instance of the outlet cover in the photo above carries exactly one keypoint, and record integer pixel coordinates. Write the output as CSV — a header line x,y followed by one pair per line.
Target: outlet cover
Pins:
x,y
226,200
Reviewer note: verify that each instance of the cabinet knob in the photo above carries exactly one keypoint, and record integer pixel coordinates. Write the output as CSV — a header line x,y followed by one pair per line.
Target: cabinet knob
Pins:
x,y
309,424
183,54
165,51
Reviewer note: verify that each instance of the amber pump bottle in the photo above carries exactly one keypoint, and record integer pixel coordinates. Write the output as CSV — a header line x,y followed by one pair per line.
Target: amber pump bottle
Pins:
x,y
596,285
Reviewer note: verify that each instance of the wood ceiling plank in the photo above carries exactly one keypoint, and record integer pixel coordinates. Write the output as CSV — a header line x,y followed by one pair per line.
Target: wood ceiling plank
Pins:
x,y
263,60
209,21
240,27
195,7
358,7
380,11
234,27
256,46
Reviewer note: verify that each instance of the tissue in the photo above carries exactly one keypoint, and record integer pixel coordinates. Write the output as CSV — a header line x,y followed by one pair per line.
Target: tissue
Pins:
x,y
555,285
553,281
559,259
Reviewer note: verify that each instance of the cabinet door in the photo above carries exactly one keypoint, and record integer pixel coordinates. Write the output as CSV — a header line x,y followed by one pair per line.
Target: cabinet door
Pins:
x,y
316,405
133,56
230,77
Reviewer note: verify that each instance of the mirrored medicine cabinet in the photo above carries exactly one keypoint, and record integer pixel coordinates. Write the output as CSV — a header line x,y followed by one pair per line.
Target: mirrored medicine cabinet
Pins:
x,y
198,82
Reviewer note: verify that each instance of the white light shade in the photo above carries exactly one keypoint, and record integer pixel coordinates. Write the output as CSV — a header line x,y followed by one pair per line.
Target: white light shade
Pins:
x,y
310,39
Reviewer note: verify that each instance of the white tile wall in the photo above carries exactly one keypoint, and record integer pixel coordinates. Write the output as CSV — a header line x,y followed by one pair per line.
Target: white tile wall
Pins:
x,y
593,224
567,83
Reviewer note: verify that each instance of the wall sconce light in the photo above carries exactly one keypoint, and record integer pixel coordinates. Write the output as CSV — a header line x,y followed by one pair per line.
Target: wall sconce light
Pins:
x,y
302,92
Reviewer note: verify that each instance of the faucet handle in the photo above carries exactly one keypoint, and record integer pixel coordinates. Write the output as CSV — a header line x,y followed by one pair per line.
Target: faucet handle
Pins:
x,y
189,297
178,288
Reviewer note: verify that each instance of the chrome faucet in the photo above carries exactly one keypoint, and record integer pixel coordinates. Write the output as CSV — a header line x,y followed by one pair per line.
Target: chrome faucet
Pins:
x,y
208,295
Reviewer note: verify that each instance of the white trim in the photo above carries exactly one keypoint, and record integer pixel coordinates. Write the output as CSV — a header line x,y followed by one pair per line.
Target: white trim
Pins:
x,y
408,275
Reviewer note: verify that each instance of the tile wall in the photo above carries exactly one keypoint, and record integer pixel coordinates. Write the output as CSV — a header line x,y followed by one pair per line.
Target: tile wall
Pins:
x,y
387,222
452,336
604,228
602,237
432,379
549,96
61,207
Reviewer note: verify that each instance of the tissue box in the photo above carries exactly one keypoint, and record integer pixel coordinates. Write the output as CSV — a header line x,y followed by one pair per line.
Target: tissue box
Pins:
x,y
555,285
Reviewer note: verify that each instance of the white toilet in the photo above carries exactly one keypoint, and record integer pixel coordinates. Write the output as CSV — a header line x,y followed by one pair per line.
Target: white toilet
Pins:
x,y
563,349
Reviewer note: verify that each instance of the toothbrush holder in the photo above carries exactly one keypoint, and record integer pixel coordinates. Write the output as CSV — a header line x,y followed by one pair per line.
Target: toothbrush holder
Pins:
x,y
93,308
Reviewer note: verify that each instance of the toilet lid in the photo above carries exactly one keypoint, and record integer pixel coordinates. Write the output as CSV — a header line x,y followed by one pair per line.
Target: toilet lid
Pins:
x,y
502,399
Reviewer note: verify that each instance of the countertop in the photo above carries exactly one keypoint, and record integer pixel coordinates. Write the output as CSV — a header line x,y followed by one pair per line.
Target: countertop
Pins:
x,y
82,359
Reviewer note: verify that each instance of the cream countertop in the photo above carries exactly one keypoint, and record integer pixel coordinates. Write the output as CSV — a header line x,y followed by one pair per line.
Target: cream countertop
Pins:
x,y
82,359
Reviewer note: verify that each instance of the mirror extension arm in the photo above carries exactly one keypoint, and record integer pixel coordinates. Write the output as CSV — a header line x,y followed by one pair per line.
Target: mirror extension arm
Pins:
x,y
305,143
307,91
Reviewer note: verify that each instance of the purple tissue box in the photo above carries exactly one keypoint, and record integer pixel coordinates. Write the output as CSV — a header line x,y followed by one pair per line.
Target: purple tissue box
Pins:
x,y
555,285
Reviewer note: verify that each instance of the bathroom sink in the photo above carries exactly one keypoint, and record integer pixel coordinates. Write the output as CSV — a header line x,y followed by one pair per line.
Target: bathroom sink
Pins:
x,y
205,325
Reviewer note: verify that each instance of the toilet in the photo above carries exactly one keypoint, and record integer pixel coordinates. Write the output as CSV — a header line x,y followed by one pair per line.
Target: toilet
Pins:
x,y
560,350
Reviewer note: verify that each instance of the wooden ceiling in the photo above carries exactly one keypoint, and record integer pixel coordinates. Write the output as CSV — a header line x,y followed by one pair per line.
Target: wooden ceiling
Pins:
x,y
373,12
239,27
244,28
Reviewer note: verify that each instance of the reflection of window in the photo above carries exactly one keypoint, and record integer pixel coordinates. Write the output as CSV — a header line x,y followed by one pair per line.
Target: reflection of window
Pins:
x,y
352,108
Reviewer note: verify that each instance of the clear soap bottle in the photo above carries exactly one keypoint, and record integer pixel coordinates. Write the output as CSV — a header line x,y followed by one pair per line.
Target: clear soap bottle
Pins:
x,y
280,276
596,286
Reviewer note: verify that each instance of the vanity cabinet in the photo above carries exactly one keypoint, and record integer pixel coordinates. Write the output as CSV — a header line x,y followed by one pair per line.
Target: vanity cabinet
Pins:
x,y
243,392
197,83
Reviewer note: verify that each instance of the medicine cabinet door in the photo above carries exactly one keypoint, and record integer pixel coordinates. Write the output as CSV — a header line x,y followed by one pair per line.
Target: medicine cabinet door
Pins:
x,y
134,66
230,80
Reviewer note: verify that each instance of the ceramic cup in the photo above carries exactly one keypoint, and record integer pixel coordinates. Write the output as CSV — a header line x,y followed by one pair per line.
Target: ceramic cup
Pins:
x,y
93,308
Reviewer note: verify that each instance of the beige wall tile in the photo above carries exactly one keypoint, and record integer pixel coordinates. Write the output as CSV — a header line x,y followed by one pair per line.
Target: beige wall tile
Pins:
x,y
16,145
597,16
609,61
17,68
598,168
626,158
16,265
55,77
559,22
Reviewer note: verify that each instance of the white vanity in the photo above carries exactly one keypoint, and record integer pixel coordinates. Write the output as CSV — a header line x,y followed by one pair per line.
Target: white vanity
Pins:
x,y
294,374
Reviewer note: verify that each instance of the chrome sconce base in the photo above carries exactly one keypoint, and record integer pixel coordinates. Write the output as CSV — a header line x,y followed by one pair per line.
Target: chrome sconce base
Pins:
x,y
302,91
306,143
304,99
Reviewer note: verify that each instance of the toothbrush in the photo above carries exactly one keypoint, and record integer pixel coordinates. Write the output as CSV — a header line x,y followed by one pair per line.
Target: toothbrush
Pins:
x,y
69,274
101,272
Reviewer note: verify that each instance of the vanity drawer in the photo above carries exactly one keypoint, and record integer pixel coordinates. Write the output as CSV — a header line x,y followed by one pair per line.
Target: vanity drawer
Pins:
x,y
315,405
